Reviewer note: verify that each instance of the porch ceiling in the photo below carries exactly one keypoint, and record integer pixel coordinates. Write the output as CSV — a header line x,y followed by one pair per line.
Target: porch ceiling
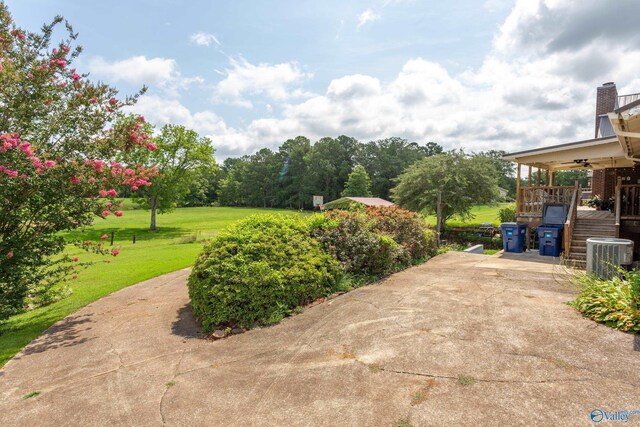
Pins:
x,y
593,154
626,125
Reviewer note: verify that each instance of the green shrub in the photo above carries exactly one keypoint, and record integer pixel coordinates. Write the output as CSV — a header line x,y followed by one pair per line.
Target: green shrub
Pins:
x,y
507,213
258,271
614,302
374,241
351,237
407,228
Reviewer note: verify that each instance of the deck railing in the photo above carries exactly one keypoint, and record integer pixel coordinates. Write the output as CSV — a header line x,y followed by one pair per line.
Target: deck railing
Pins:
x,y
532,199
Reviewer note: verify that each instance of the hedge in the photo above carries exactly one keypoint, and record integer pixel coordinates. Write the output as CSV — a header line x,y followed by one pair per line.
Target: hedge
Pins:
x,y
258,271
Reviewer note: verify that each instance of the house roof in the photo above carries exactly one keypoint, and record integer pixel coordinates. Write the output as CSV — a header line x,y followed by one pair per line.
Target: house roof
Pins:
x,y
367,201
619,145
598,153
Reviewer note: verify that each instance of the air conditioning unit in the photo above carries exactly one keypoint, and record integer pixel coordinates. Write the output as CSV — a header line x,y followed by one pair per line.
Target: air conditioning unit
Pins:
x,y
605,255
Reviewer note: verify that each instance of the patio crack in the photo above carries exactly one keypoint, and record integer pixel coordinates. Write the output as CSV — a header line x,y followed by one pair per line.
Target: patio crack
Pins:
x,y
481,380
169,384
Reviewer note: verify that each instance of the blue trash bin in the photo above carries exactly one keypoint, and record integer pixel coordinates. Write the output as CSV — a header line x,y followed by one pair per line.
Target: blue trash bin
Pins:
x,y
550,231
514,236
550,239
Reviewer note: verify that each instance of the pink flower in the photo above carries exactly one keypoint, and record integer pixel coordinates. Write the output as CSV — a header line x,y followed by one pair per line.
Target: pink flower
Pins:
x,y
75,76
29,76
103,193
115,252
104,237
76,259
106,212
134,187
92,180
108,205
113,101
74,180
117,213
10,254
151,146
93,100
49,163
112,193
141,119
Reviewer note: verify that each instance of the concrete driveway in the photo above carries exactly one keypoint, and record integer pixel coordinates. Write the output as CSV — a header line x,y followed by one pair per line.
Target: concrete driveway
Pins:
x,y
462,340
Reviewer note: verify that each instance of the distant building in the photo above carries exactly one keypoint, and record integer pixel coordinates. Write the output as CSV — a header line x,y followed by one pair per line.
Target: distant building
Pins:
x,y
345,202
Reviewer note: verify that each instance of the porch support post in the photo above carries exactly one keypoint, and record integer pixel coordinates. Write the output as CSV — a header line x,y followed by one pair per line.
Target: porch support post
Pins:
x,y
539,177
518,191
530,167
553,178
546,178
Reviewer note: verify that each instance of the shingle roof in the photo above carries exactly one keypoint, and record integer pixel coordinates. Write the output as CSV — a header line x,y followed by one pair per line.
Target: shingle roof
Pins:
x,y
367,201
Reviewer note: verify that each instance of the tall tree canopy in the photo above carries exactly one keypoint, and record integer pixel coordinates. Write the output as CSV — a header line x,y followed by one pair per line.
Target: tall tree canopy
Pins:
x,y
385,159
180,154
506,170
462,180
358,184
298,170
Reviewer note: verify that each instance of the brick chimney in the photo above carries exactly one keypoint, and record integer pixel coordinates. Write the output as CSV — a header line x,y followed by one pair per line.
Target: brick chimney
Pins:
x,y
606,101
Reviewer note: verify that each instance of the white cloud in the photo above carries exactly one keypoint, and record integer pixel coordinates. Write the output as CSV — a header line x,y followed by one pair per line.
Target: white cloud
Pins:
x,y
535,87
159,73
366,17
274,81
204,39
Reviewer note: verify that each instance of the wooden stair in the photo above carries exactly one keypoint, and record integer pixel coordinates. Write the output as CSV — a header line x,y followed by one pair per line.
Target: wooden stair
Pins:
x,y
584,228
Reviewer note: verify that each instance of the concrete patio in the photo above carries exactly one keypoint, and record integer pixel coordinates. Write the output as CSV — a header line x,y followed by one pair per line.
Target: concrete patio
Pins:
x,y
462,340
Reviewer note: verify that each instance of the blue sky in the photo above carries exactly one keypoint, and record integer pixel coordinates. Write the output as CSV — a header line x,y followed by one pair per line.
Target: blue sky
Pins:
x,y
254,73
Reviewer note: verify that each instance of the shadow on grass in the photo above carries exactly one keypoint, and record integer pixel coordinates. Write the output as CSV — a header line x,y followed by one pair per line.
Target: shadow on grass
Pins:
x,y
125,235
186,325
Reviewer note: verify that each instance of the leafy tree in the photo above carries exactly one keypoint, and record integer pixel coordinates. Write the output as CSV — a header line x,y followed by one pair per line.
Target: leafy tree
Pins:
x,y
386,159
57,160
462,180
432,148
231,186
359,183
293,171
567,178
261,180
328,166
204,187
180,154
506,170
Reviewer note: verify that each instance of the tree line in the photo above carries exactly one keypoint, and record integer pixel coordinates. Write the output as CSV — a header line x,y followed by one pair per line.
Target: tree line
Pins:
x,y
289,176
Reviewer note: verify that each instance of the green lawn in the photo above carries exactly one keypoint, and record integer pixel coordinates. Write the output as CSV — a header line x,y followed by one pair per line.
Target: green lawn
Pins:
x,y
174,246
481,213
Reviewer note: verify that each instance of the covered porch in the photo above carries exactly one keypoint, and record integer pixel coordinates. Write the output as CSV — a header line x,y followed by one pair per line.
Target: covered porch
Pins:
x,y
615,156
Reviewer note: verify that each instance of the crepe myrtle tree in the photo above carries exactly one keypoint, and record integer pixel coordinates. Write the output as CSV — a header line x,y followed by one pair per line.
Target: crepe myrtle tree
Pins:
x,y
462,181
60,163
180,155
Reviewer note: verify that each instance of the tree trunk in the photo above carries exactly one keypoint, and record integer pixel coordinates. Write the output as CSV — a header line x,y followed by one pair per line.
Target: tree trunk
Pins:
x,y
154,207
439,221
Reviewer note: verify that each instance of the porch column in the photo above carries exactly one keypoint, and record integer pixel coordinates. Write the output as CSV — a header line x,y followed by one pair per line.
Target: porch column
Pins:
x,y
530,167
546,177
539,177
517,191
553,178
